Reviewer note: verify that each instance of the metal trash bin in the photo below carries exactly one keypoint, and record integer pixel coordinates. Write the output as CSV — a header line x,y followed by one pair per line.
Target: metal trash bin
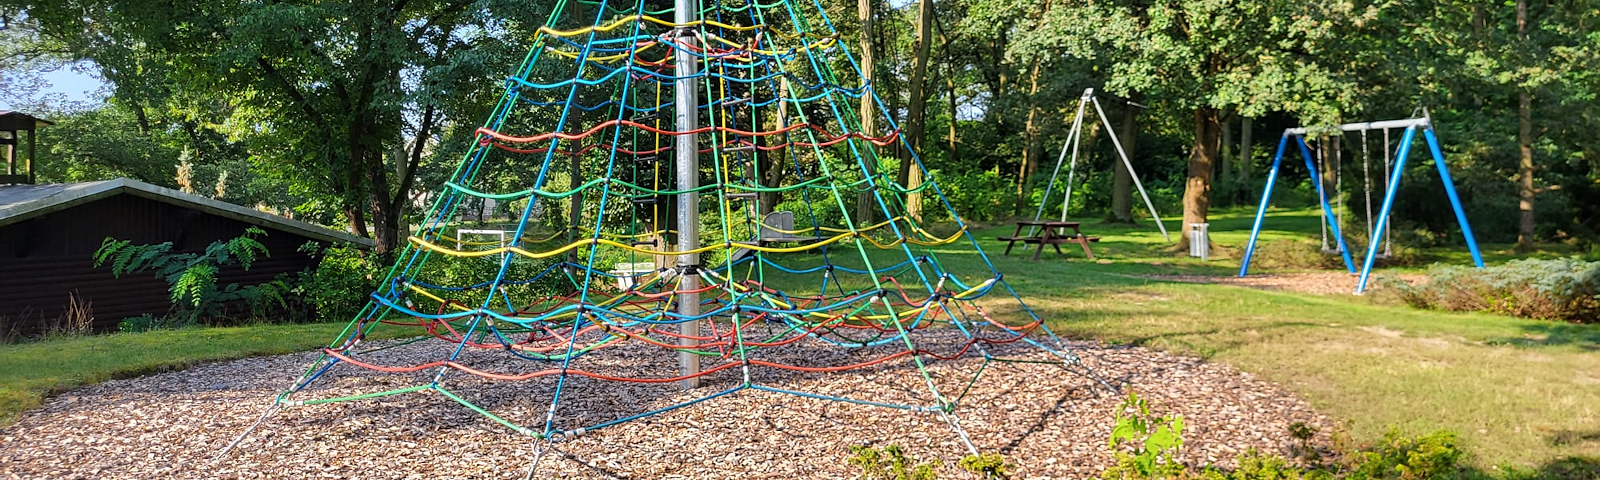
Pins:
x,y
1200,240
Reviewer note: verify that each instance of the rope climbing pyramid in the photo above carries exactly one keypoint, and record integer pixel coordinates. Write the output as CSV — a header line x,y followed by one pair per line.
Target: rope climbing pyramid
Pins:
x,y
658,242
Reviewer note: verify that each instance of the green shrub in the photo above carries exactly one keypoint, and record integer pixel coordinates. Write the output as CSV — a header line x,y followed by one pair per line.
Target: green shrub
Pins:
x,y
1146,444
1254,465
975,195
1567,289
890,463
339,286
1429,457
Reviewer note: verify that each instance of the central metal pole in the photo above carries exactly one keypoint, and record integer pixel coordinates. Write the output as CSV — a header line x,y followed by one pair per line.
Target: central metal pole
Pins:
x,y
687,149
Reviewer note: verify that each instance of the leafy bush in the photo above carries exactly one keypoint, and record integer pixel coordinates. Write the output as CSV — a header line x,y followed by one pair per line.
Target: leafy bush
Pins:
x,y
339,286
193,276
1566,289
1428,457
890,463
975,195
1254,465
1146,446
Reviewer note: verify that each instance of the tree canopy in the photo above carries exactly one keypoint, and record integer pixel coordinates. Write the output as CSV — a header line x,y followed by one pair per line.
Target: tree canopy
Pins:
x,y
337,110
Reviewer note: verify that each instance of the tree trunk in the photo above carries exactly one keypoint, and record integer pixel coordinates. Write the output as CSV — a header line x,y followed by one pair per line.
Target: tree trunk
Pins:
x,y
950,91
768,163
998,78
775,174
1202,155
386,231
361,144
1225,166
575,206
955,151
1246,149
401,223
141,117
1525,190
864,207
916,115
406,170
1030,147
358,220
367,139
1122,179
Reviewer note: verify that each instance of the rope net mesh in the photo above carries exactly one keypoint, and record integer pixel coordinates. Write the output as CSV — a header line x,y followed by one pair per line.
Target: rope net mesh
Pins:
x,y
586,265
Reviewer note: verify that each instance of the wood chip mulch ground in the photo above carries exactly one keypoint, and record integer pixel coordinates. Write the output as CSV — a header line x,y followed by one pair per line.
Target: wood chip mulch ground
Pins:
x,y
1316,283
1046,421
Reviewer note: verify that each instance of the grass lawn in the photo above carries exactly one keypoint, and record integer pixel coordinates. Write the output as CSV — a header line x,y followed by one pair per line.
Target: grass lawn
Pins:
x,y
29,371
1519,392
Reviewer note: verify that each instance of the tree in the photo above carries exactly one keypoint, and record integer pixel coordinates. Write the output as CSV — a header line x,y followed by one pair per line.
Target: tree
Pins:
x,y
1497,69
1206,57
864,13
1122,179
333,86
1525,191
916,116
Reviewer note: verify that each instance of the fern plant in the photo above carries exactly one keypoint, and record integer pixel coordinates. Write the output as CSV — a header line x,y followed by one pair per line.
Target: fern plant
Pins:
x,y
192,277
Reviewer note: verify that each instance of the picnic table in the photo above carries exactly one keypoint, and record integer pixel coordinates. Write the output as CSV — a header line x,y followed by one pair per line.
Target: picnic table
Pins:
x,y
1049,233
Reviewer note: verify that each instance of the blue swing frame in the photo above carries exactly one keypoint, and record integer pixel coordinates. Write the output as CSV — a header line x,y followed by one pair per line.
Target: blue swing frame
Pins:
x,y
1411,126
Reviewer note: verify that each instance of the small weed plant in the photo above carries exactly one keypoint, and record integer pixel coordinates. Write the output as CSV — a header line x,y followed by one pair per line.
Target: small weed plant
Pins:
x,y
987,465
1146,445
76,319
890,463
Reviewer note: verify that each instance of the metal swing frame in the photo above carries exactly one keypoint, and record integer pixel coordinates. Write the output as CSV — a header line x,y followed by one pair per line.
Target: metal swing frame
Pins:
x,y
1074,141
1411,126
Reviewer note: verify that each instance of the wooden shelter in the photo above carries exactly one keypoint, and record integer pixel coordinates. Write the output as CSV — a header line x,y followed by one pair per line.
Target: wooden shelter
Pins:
x,y
12,125
49,233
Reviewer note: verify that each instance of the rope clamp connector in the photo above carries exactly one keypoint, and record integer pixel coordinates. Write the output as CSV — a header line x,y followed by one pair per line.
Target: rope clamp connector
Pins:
x,y
684,31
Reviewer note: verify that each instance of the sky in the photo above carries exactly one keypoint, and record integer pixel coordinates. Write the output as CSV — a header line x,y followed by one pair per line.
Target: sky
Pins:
x,y
68,85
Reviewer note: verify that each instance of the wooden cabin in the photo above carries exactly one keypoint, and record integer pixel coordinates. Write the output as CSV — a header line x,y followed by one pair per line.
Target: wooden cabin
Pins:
x,y
49,233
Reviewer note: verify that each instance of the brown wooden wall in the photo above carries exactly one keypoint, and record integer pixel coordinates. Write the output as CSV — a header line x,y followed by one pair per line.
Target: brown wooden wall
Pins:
x,y
46,258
